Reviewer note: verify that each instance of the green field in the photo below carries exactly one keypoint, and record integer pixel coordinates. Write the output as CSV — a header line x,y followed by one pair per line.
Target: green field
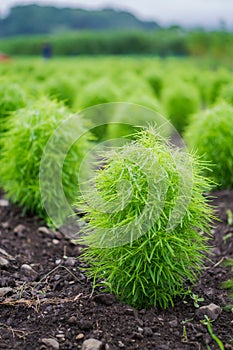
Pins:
x,y
196,95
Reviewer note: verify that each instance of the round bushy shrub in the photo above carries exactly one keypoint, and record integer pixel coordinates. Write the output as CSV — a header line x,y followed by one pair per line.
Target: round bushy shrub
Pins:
x,y
134,248
12,97
99,92
210,134
61,88
180,101
155,80
219,80
226,93
139,111
23,145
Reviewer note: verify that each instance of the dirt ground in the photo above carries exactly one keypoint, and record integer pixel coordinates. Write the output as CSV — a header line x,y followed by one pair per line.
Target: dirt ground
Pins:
x,y
48,303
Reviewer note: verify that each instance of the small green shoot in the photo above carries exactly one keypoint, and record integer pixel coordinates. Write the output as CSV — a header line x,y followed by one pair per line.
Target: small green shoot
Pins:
x,y
196,300
184,338
207,322
229,283
229,217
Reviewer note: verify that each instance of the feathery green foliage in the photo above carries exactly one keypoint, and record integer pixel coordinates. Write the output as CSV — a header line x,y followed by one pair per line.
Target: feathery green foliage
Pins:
x,y
12,97
180,101
23,145
131,249
210,133
226,93
62,88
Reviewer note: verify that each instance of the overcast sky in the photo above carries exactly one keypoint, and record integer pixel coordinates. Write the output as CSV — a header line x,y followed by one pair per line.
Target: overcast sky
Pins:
x,y
186,12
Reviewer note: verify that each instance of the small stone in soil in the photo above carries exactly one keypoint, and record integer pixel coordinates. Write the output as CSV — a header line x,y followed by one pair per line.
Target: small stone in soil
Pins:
x,y
80,336
147,332
4,203
4,291
92,344
137,335
45,230
105,299
173,323
19,229
70,261
56,241
85,325
72,320
120,344
50,342
5,224
3,262
129,312
212,311
28,271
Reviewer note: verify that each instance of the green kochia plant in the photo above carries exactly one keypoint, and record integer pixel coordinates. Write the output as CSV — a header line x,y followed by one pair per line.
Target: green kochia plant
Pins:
x,y
180,101
23,145
210,134
12,98
131,249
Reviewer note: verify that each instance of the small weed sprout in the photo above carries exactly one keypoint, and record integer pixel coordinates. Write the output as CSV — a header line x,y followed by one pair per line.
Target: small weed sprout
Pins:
x,y
130,249
229,283
229,217
207,322
196,299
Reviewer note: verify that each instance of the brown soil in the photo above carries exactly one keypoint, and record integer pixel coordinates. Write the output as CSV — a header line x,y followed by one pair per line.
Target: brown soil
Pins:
x,y
55,299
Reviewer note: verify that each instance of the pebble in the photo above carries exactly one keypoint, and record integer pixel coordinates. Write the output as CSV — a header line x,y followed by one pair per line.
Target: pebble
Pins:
x,y
212,311
56,241
137,335
4,203
140,322
120,344
70,261
61,336
3,262
147,331
72,320
19,229
80,336
50,342
4,291
105,299
92,344
28,271
173,323
130,312
5,224
45,230
85,325
3,252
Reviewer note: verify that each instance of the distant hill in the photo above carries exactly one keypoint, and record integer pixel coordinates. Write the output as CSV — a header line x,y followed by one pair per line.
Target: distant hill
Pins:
x,y
34,19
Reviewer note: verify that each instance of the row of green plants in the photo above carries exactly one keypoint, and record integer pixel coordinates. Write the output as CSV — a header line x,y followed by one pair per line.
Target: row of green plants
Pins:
x,y
163,42
139,259
173,88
